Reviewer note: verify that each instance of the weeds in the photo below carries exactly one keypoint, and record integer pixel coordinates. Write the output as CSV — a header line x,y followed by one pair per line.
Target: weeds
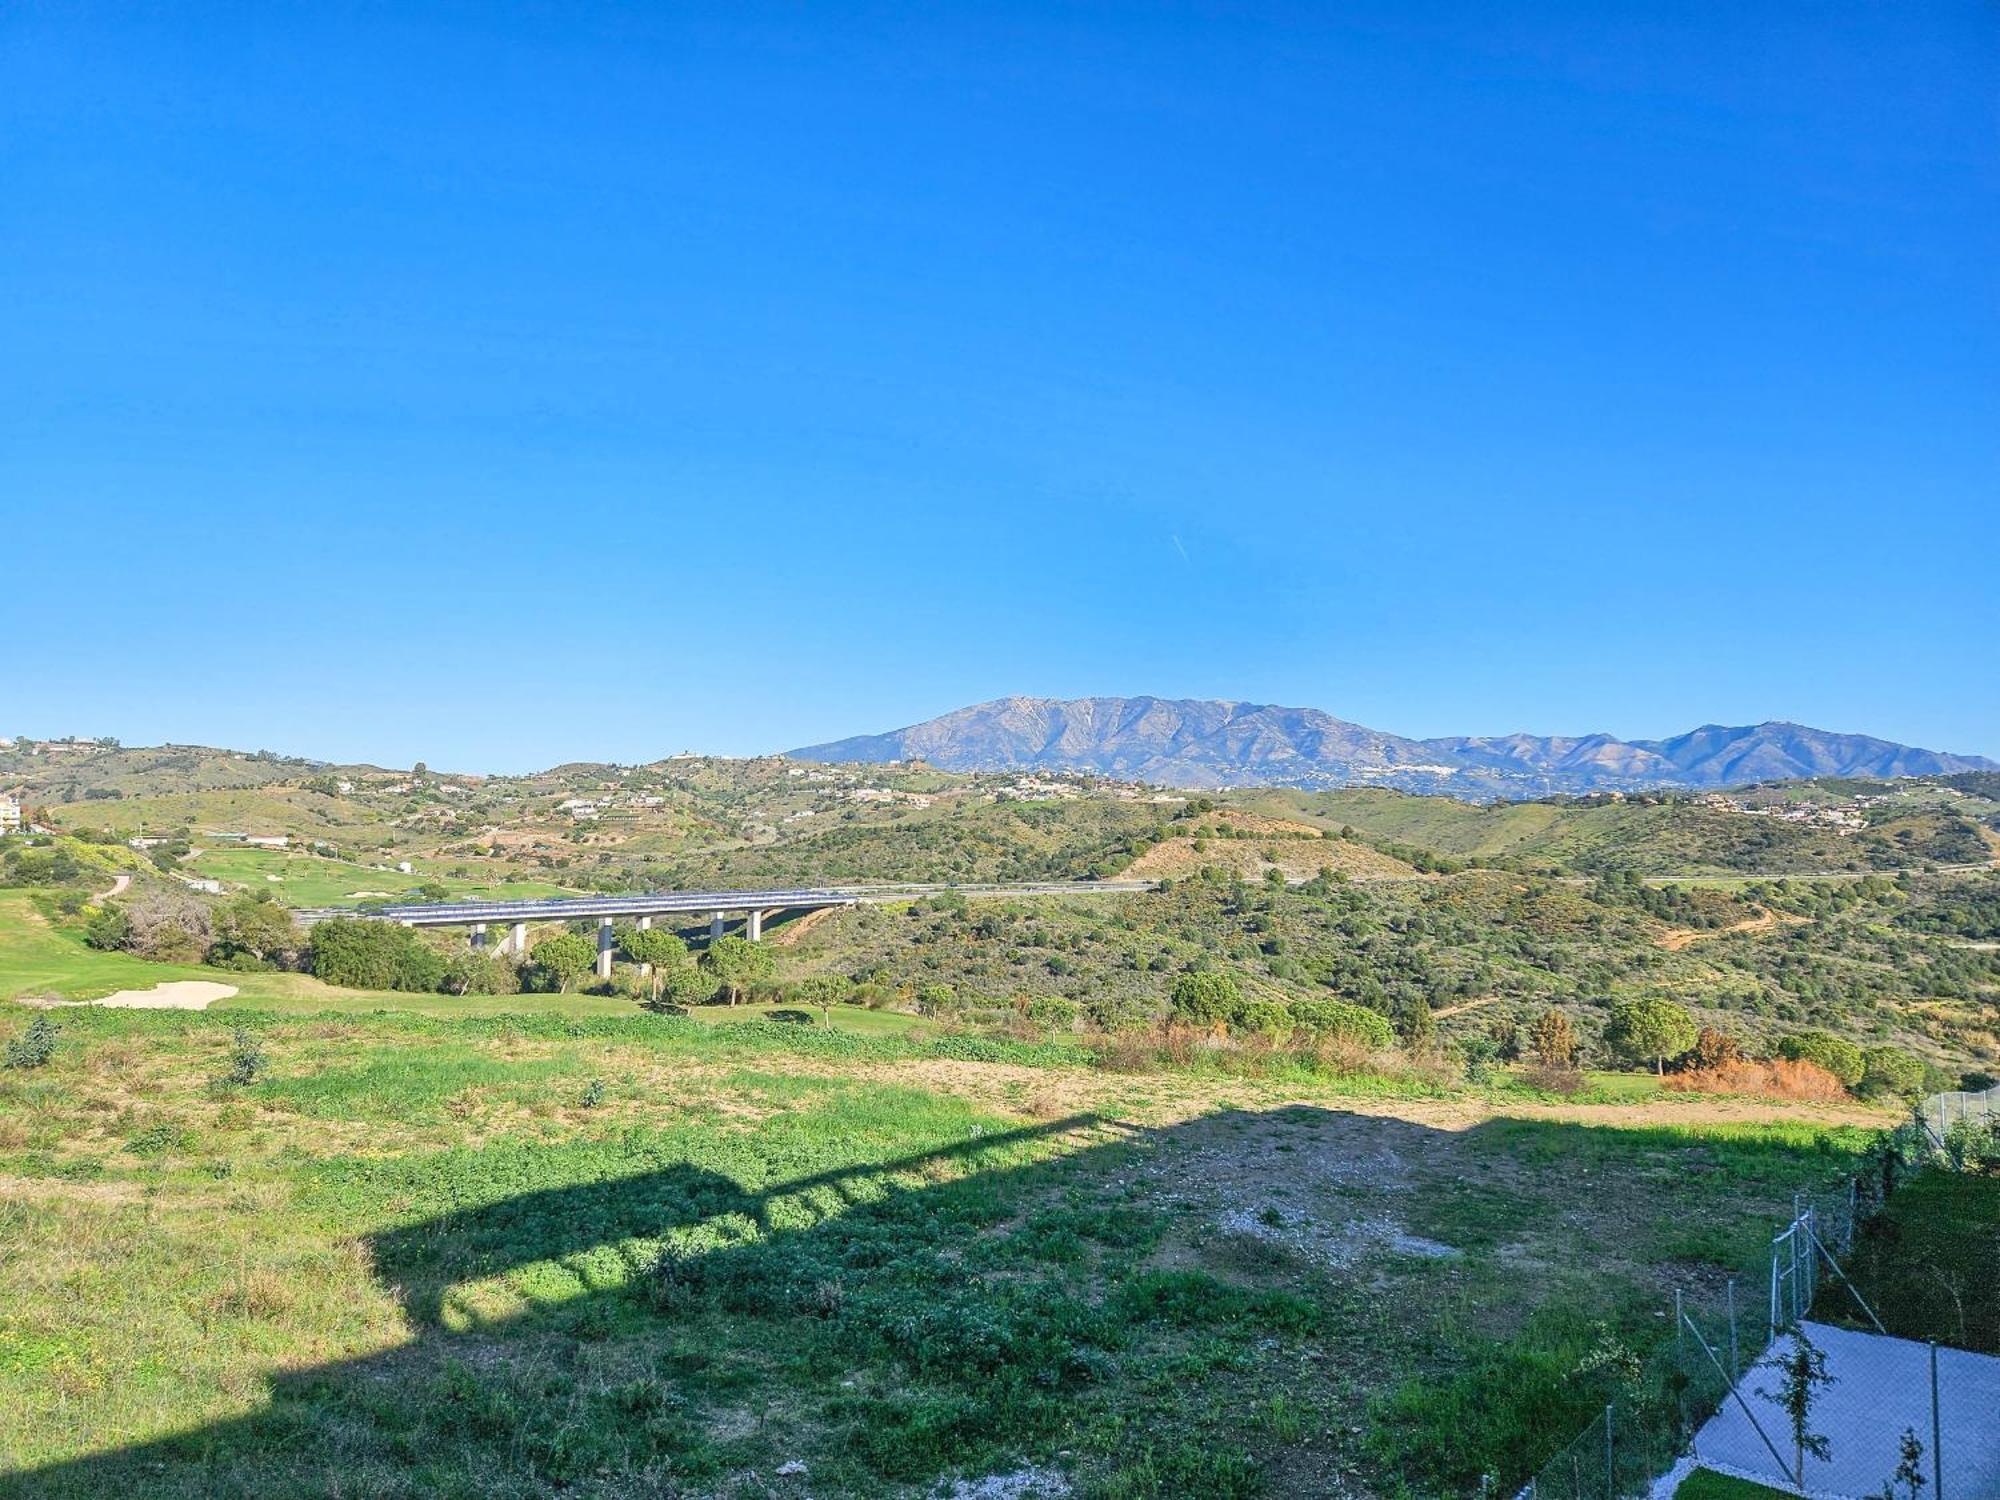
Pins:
x,y
247,1061
34,1047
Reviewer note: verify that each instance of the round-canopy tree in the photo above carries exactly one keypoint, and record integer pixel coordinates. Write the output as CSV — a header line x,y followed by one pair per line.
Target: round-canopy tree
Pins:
x,y
565,958
1651,1027
737,963
661,950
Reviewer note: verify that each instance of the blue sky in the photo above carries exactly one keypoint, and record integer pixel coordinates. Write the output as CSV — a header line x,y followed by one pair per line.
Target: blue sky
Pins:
x,y
497,385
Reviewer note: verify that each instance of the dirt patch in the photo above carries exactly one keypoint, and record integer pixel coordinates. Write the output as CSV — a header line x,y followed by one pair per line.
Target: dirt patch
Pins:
x,y
788,934
1677,938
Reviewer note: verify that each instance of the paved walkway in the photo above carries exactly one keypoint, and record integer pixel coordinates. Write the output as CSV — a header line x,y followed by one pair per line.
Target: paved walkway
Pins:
x,y
1883,1386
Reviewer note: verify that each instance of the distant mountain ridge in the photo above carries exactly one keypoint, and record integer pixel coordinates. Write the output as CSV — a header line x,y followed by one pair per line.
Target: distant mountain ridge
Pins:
x,y
1202,742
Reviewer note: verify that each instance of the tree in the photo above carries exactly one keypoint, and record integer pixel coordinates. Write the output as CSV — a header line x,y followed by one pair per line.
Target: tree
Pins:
x,y
1207,999
1553,1041
661,950
1801,1374
169,926
565,958
825,990
470,972
1891,1070
1909,1469
256,926
1651,1027
737,963
687,985
1419,1026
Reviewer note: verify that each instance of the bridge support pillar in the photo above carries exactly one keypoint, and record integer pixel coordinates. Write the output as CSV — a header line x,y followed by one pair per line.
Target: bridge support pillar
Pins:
x,y
479,934
518,940
715,927
645,925
753,925
605,943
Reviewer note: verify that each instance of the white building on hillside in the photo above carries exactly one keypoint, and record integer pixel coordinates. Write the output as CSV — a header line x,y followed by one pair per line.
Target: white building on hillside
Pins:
x,y
10,815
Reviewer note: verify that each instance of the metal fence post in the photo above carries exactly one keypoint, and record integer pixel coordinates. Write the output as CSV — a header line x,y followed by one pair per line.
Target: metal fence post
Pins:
x,y
1610,1480
1731,1290
1937,1449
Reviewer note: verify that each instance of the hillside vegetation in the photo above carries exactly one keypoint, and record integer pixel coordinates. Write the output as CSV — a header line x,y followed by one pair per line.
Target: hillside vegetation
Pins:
x,y
1336,1162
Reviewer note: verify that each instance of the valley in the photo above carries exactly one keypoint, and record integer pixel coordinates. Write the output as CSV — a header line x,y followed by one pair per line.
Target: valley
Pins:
x,y
1333,1154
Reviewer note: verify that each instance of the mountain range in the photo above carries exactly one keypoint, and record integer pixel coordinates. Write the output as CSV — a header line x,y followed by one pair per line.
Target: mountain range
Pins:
x,y
1199,742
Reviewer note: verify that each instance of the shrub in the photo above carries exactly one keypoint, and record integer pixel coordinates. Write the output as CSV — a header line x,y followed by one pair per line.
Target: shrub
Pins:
x,y
1337,1018
1891,1071
1265,1018
1552,1080
1712,1049
936,1000
247,1062
1207,999
169,927
1836,1055
34,1047
1553,1042
1780,1078
365,954
1053,1011
110,929
474,973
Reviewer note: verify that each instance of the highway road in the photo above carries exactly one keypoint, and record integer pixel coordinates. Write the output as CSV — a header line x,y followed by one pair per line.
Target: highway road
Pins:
x,y
676,903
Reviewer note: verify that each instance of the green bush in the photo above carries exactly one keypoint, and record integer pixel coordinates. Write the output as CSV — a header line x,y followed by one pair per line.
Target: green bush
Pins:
x,y
1052,1010
1336,1019
247,1062
1837,1055
1890,1071
363,954
34,1047
1207,999
1261,1018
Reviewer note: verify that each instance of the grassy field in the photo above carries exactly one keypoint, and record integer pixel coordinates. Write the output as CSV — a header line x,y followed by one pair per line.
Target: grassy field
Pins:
x,y
39,958
1706,1484
550,1253
299,879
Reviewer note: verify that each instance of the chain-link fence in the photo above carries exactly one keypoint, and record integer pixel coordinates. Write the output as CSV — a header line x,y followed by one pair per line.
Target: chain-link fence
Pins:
x,y
1944,1118
1724,1386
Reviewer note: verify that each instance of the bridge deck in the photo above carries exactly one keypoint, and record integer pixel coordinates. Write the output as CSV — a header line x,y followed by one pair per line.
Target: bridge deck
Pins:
x,y
672,903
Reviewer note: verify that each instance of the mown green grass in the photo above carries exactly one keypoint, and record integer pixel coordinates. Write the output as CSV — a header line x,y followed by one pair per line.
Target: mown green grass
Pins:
x,y
303,879
38,957
1706,1484
560,1254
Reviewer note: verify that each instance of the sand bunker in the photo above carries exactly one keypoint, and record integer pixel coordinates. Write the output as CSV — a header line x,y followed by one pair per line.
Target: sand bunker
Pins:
x,y
178,994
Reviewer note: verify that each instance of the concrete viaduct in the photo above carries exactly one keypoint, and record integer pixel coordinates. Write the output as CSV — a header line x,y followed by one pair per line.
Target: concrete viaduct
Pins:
x,y
479,917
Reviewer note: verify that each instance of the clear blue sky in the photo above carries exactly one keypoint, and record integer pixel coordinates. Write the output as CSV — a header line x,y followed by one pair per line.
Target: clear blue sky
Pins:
x,y
496,385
